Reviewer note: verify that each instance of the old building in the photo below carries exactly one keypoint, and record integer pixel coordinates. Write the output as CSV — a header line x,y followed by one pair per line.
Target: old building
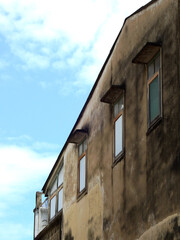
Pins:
x,y
118,174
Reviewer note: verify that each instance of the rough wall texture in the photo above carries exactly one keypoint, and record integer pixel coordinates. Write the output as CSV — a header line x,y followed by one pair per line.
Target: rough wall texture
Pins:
x,y
142,189
137,197
168,229
52,232
83,219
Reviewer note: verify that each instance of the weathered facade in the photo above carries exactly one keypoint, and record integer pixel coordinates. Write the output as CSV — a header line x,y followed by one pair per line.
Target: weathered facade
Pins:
x,y
118,174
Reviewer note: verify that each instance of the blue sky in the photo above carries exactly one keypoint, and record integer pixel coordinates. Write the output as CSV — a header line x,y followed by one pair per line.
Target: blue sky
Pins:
x,y
50,55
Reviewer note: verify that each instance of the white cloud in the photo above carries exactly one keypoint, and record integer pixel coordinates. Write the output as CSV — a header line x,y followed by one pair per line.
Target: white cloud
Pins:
x,y
26,140
87,75
45,146
20,138
22,168
59,65
23,172
32,60
64,34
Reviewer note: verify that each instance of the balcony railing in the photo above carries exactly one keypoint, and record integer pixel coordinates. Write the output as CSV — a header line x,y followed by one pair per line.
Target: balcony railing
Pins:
x,y
40,217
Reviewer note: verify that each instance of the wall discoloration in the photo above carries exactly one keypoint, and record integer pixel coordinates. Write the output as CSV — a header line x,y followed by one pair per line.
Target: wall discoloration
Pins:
x,y
68,236
52,232
133,190
88,212
126,199
168,229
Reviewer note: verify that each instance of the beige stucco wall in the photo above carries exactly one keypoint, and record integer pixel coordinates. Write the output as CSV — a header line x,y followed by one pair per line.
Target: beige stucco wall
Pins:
x,y
125,200
166,229
83,219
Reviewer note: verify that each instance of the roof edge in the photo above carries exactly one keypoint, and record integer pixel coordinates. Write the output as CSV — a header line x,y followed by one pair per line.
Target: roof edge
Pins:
x,y
92,91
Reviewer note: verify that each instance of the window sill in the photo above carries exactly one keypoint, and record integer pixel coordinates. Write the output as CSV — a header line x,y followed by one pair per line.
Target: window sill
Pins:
x,y
118,158
154,124
81,194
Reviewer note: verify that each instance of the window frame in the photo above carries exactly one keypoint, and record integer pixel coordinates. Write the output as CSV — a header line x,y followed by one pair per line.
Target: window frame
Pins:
x,y
51,197
80,157
117,158
157,119
56,194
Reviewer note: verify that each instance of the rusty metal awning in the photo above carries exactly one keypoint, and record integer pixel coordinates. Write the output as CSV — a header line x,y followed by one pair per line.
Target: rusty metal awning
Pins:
x,y
113,94
77,136
147,53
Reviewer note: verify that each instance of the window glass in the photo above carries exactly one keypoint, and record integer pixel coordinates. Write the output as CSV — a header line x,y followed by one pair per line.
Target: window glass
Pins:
x,y
154,106
82,174
54,187
45,203
116,111
60,176
80,149
85,145
118,135
118,106
150,70
53,207
157,63
60,199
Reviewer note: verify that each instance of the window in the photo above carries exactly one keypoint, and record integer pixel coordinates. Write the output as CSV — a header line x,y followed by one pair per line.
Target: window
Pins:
x,y
82,167
53,206
56,194
154,90
118,128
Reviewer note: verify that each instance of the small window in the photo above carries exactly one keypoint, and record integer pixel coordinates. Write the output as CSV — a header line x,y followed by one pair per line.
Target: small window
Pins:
x,y
82,173
60,199
82,166
54,186
154,90
56,194
60,176
118,127
53,207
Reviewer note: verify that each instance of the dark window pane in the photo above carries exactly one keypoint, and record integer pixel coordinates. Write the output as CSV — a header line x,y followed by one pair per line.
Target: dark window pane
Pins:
x,y
120,104
157,63
54,187
85,145
150,70
154,108
80,149
116,110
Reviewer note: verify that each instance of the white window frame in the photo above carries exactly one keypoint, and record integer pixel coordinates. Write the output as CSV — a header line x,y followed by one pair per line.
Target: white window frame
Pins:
x,y
82,154
119,114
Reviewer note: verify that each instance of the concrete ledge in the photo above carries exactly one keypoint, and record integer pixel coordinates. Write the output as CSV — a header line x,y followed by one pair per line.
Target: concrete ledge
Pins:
x,y
168,229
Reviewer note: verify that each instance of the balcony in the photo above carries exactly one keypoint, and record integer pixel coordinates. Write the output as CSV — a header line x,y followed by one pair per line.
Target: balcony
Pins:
x,y
40,214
